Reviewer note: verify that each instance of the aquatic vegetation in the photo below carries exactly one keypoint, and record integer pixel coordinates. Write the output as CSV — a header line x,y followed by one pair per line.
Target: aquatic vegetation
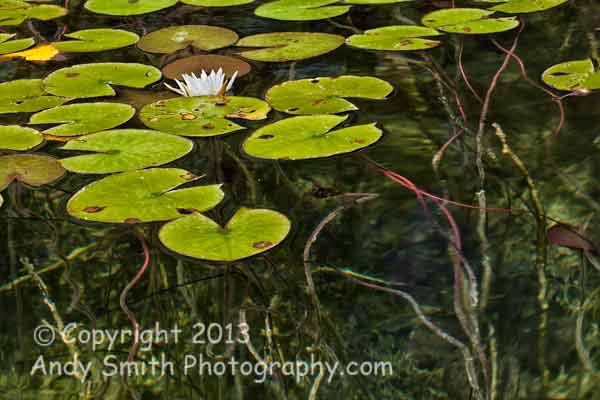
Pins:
x,y
206,62
14,12
289,46
573,75
171,39
524,6
395,38
91,40
213,84
31,169
26,95
44,52
10,45
249,232
468,21
301,10
18,138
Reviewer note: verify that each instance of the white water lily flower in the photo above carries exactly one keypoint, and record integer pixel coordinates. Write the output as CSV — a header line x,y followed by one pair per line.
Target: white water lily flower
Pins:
x,y
212,84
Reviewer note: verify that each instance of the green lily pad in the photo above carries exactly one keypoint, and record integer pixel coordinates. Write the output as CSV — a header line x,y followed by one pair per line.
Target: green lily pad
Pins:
x,y
216,3
124,150
95,80
306,137
373,2
143,196
206,62
472,21
26,95
572,75
249,232
127,7
202,116
32,169
289,46
204,37
14,12
11,46
90,40
84,118
524,6
15,137
395,38
301,10
326,95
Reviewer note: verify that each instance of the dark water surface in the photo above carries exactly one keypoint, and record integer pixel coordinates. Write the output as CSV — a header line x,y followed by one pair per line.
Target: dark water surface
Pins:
x,y
533,332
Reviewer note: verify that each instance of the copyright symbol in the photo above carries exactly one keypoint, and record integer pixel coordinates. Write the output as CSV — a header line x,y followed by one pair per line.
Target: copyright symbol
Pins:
x,y
44,336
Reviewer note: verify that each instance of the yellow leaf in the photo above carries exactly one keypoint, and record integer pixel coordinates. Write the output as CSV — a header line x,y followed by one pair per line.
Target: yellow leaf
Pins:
x,y
44,52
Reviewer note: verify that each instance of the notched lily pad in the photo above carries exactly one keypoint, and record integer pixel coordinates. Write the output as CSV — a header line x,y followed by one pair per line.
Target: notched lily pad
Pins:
x,y
95,80
18,138
289,46
216,3
127,7
301,10
14,12
206,62
572,75
10,46
124,150
84,118
326,95
143,196
524,6
32,169
471,21
26,95
171,39
249,232
306,137
395,38
202,116
91,40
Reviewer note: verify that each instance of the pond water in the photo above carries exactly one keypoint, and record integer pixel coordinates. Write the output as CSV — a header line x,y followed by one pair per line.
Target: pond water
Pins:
x,y
446,252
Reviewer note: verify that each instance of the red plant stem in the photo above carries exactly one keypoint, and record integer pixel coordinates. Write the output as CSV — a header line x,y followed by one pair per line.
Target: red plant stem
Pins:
x,y
125,292
438,156
463,74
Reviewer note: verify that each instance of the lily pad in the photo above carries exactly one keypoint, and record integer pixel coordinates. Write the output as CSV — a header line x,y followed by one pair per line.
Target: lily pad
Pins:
x,y
127,7
94,80
373,2
326,95
11,46
43,52
524,6
216,3
171,39
32,169
306,137
84,118
124,150
15,137
202,116
472,21
14,12
289,46
301,10
206,62
572,75
249,232
26,95
143,196
395,38
90,40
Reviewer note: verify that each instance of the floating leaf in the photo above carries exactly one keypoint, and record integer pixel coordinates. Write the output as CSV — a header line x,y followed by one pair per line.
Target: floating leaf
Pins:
x,y
44,52
84,118
15,137
395,38
204,37
13,12
11,46
306,137
26,95
468,21
301,10
373,2
572,75
206,62
127,7
568,236
90,40
143,196
289,46
524,6
326,95
124,150
202,116
216,3
249,232
32,169
94,80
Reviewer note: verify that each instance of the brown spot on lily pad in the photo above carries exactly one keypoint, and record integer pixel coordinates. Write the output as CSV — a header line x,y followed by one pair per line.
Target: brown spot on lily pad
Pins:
x,y
265,244
208,126
188,116
93,209
132,221
71,74
187,211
